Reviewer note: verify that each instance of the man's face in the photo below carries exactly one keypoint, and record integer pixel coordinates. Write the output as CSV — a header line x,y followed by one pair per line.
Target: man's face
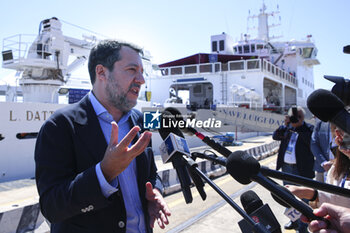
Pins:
x,y
124,82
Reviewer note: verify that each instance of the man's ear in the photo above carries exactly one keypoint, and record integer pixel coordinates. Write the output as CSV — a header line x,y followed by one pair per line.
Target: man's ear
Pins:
x,y
101,72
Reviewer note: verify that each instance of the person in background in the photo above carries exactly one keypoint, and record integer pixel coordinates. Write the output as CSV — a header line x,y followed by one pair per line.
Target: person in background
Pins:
x,y
338,175
321,144
95,170
294,154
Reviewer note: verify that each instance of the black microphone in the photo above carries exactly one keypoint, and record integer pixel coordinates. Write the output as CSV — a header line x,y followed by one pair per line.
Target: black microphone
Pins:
x,y
259,212
177,160
290,212
328,107
244,169
192,131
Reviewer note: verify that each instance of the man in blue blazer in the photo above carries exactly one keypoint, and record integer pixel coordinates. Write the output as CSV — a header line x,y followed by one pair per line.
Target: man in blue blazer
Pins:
x,y
320,147
95,171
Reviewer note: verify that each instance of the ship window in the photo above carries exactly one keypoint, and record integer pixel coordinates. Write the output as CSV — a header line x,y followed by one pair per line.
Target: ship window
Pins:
x,y
307,52
246,48
239,49
214,46
259,46
235,49
303,80
176,70
253,64
236,65
252,48
1,137
222,45
26,135
190,69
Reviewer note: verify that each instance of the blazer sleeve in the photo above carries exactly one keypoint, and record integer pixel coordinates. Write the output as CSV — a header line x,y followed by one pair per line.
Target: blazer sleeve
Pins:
x,y
280,133
316,146
64,190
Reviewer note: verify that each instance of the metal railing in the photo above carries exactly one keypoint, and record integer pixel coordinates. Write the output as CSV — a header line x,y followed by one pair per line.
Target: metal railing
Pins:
x,y
232,66
20,45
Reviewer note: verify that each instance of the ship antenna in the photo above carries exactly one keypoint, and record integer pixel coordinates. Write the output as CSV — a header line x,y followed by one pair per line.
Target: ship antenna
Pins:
x,y
85,29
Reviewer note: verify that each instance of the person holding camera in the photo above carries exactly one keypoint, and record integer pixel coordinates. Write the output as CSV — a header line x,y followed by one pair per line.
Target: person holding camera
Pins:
x,y
294,154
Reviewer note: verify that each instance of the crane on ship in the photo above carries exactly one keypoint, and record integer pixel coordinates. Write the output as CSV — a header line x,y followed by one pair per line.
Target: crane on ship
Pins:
x,y
46,62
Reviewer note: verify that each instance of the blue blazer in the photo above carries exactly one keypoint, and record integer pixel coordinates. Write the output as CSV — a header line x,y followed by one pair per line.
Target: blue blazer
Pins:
x,y
69,145
320,144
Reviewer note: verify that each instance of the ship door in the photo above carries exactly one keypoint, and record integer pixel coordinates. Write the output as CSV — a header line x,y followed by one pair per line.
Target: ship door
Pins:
x,y
273,99
195,95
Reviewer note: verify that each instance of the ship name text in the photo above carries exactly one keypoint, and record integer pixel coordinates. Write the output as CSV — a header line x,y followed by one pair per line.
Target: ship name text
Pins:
x,y
30,115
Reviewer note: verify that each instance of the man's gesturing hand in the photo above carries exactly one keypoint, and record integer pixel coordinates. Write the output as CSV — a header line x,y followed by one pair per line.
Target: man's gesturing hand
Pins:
x,y
118,156
157,208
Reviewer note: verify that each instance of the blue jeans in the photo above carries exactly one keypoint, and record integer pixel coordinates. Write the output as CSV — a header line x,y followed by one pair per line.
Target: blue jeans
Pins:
x,y
292,169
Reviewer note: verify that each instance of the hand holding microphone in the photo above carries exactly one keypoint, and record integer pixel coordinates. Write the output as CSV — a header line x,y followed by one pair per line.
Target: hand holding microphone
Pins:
x,y
244,168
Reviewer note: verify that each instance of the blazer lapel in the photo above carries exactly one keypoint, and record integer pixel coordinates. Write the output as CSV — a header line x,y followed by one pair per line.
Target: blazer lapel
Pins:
x,y
89,130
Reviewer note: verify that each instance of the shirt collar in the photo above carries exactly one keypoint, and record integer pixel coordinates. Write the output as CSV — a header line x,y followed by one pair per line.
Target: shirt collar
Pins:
x,y
98,107
102,111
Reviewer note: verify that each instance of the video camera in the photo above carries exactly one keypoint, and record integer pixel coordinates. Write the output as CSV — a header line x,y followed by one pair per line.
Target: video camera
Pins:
x,y
294,117
342,85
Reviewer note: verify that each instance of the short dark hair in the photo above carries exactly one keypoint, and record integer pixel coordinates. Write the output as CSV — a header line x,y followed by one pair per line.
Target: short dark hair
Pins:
x,y
106,53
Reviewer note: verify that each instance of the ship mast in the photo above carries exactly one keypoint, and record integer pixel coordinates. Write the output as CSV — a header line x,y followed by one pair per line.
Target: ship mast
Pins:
x,y
263,25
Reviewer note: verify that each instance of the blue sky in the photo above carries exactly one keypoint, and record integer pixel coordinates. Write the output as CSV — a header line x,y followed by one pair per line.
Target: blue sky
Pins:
x,y
175,29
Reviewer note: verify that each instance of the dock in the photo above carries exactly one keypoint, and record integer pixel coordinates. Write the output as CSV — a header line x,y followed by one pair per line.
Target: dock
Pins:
x,y
19,208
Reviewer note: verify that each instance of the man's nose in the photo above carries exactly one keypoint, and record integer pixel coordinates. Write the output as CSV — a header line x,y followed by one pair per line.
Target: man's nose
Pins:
x,y
139,78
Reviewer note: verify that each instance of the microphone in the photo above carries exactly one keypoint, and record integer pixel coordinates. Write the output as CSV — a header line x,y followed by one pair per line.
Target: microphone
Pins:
x,y
192,131
170,137
283,176
290,212
328,107
244,169
259,212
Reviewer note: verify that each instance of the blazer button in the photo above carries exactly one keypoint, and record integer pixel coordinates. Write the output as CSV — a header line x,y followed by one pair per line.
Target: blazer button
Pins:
x,y
121,224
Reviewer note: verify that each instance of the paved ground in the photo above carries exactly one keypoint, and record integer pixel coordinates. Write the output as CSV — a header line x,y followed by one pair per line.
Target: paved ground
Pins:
x,y
219,217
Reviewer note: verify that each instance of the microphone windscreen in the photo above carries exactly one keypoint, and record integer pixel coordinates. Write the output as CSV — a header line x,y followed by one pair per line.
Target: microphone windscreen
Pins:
x,y
241,166
165,131
250,201
324,104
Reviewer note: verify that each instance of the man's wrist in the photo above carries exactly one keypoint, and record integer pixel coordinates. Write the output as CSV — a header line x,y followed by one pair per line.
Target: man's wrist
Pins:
x,y
105,173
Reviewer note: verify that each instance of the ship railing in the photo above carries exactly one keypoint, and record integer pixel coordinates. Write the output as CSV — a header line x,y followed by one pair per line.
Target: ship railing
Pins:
x,y
232,66
215,67
279,73
21,50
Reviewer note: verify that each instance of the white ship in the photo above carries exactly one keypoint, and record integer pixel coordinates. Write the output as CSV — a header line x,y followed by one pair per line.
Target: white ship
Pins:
x,y
254,73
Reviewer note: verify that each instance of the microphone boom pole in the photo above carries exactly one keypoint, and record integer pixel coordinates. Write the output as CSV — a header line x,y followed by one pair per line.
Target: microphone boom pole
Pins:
x,y
257,226
304,181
